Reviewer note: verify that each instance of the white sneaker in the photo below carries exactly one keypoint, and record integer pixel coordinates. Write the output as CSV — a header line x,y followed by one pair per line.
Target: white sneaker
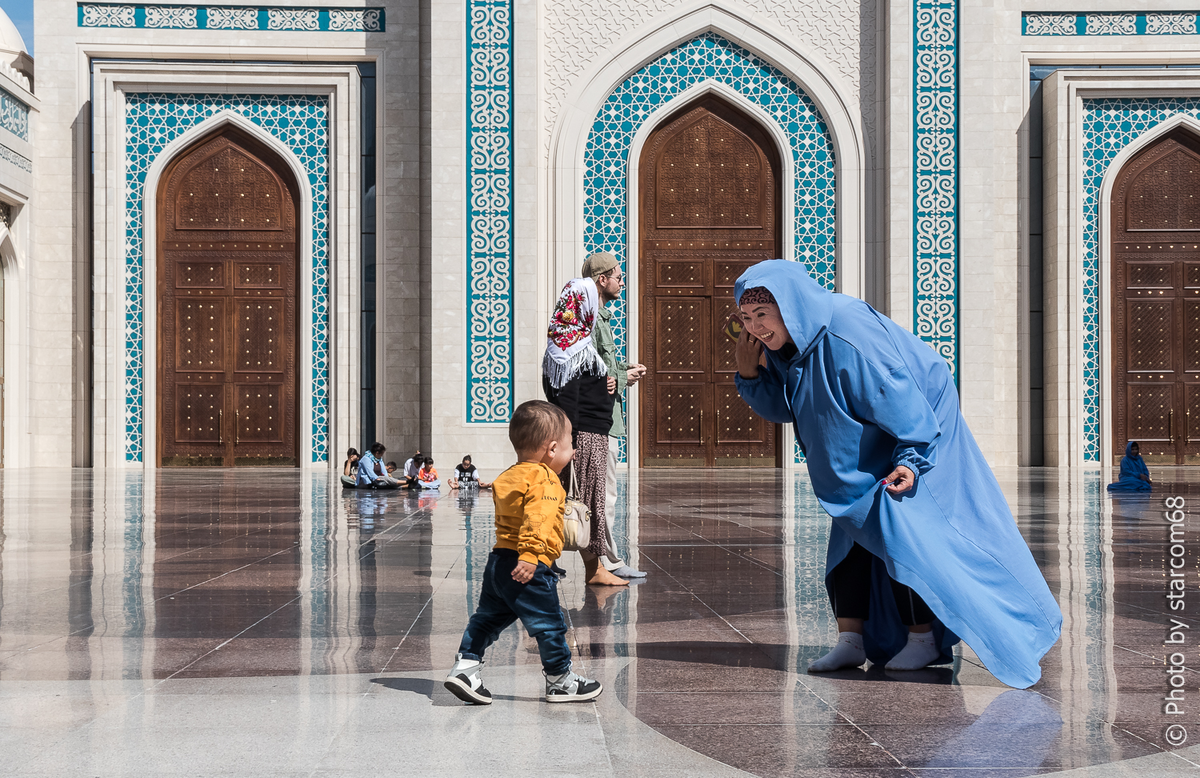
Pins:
x,y
464,681
570,687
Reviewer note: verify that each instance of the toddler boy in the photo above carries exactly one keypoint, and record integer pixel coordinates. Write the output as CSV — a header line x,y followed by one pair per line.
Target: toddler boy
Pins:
x,y
517,582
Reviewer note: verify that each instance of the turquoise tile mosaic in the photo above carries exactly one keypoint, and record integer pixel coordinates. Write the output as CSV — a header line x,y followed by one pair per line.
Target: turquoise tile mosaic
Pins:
x,y
14,115
489,211
219,17
935,177
1109,23
709,56
152,121
1109,125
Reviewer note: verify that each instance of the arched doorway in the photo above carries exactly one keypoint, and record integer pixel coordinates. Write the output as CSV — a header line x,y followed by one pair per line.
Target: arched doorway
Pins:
x,y
227,272
708,208
1156,301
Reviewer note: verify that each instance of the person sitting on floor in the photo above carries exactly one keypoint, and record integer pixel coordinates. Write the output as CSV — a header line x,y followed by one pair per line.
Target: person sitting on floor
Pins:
x,y
465,474
427,475
371,471
350,468
412,466
1135,476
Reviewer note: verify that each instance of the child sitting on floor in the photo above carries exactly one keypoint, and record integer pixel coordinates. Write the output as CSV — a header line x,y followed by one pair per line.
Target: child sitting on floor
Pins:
x,y
427,476
517,582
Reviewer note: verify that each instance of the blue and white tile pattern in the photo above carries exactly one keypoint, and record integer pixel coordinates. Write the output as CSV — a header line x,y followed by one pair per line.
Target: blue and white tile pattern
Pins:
x,y
220,17
1109,23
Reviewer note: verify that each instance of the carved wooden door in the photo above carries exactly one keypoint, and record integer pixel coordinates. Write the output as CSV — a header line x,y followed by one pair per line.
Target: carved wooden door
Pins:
x,y
709,194
227,268
1156,302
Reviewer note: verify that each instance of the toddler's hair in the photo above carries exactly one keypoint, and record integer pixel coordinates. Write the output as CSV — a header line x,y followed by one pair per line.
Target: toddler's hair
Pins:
x,y
393,465
428,461
534,423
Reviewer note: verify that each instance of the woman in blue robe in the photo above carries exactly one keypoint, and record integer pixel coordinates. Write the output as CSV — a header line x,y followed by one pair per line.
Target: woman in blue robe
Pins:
x,y
1135,476
892,461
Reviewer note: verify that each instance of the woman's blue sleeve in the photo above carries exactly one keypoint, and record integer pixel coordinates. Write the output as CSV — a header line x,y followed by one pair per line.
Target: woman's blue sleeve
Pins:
x,y
764,394
894,403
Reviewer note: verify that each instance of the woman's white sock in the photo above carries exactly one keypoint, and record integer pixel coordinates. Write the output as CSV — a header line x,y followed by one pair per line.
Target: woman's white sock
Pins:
x,y
920,651
847,653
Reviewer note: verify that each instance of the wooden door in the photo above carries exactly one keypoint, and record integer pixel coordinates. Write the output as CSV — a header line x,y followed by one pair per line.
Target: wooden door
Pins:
x,y
1156,302
227,269
709,194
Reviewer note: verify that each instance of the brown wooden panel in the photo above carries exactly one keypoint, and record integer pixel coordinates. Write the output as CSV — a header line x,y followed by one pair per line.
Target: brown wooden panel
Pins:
x,y
200,275
1191,274
1148,335
709,188
260,413
1149,409
1189,345
199,413
678,415
227,189
258,275
200,337
1166,194
259,337
227,363
1191,402
1153,275
682,325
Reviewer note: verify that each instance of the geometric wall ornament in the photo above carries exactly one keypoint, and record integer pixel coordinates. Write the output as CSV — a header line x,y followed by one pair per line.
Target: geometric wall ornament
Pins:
x,y
200,17
152,121
14,115
1110,124
489,224
710,57
935,177
1063,24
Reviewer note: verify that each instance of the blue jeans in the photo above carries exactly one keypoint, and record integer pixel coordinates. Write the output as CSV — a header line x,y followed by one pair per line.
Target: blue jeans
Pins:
x,y
502,601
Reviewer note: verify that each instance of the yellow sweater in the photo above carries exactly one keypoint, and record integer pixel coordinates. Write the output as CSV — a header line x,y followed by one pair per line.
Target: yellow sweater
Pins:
x,y
529,512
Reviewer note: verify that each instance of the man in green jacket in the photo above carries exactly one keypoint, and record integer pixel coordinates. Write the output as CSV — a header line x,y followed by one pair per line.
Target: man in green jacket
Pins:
x,y
604,269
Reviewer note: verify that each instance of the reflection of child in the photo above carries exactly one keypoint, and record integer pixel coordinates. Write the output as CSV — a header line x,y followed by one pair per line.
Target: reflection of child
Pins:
x,y
428,476
517,582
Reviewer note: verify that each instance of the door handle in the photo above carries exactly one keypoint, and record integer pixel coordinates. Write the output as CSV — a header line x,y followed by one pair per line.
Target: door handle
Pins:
x,y
700,431
237,426
220,427
718,429
1171,426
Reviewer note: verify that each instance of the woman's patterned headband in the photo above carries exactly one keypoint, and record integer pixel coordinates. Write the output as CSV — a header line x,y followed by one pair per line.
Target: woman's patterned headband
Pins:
x,y
759,295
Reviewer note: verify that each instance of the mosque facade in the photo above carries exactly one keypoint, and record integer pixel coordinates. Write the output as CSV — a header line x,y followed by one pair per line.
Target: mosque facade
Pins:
x,y
240,235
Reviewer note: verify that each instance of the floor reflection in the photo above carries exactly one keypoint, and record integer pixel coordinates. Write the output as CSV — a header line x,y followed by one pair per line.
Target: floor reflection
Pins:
x,y
154,579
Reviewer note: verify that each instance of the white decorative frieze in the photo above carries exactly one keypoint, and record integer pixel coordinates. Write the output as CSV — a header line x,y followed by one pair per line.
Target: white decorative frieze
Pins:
x,y
13,158
1049,24
1170,24
171,17
1110,24
293,19
355,20
106,16
232,19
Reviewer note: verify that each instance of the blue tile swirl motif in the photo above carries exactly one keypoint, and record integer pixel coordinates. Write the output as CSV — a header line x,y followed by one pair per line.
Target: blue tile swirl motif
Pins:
x,y
935,177
152,121
489,211
1109,125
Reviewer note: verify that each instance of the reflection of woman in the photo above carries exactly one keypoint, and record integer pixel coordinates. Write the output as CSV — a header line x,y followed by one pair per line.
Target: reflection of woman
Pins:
x,y
575,379
1135,476
917,513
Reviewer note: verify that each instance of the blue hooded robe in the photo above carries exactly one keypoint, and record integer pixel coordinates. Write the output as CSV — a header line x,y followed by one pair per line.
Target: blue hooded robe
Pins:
x,y
865,395
1131,468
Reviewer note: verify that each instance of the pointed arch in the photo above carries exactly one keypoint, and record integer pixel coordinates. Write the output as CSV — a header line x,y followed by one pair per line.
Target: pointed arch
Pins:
x,y
1112,174
162,163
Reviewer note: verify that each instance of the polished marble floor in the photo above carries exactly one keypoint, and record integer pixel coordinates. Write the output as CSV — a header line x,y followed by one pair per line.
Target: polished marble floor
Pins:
x,y
266,623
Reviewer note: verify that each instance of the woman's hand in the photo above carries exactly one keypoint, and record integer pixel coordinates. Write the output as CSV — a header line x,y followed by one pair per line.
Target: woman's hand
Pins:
x,y
748,352
612,385
901,480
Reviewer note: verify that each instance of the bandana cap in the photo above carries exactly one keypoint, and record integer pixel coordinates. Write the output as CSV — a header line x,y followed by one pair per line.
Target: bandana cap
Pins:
x,y
759,295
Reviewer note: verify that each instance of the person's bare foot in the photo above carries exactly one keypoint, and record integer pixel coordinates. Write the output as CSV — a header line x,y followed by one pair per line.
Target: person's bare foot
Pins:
x,y
595,575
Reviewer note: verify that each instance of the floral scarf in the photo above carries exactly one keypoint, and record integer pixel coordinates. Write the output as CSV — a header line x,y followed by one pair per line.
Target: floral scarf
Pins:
x,y
569,349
